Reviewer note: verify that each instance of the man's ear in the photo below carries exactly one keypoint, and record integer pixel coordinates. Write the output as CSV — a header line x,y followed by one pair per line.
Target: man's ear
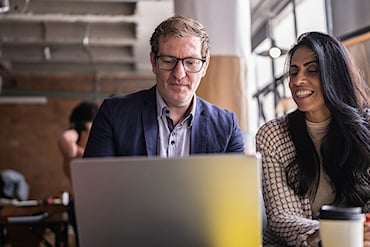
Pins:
x,y
152,61
205,66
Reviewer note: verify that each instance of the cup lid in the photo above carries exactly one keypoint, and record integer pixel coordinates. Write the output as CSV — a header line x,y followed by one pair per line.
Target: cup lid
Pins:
x,y
340,213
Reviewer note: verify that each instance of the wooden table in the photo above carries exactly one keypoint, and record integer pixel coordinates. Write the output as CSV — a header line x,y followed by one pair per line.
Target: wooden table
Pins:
x,y
56,221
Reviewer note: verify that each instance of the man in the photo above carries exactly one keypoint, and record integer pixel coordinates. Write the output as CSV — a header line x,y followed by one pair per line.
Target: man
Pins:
x,y
167,120
13,185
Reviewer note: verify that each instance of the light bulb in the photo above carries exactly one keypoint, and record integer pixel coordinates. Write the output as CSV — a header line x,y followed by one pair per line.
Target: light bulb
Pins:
x,y
274,52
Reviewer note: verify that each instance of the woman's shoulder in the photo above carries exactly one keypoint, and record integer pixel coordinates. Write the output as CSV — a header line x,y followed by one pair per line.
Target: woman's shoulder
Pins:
x,y
277,125
274,135
273,139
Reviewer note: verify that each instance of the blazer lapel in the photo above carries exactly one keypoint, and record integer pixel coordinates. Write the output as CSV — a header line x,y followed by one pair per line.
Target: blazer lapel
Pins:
x,y
199,130
150,125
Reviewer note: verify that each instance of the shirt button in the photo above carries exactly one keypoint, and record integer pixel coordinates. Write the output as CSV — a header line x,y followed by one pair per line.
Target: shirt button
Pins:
x,y
172,142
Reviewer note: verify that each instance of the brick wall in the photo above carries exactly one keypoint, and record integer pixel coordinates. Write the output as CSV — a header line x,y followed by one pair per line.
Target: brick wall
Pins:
x,y
28,132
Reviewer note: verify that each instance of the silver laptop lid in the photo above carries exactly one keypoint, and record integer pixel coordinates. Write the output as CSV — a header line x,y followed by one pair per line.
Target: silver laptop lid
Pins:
x,y
205,200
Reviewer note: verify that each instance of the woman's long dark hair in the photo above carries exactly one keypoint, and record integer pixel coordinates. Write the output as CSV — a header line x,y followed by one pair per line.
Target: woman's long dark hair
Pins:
x,y
346,147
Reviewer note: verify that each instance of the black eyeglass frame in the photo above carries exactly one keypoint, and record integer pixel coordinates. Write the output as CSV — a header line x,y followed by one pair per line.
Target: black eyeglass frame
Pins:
x,y
203,60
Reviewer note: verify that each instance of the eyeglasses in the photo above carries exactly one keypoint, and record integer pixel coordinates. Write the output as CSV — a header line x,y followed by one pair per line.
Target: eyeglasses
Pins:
x,y
192,65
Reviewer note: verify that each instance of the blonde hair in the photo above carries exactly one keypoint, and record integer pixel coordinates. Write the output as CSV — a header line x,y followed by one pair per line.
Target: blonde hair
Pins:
x,y
180,26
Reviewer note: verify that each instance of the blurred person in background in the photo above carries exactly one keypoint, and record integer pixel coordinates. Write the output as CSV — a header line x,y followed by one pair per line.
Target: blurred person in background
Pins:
x,y
72,142
13,186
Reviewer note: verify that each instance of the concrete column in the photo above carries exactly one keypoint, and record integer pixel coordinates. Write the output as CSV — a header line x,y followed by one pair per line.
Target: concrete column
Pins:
x,y
228,25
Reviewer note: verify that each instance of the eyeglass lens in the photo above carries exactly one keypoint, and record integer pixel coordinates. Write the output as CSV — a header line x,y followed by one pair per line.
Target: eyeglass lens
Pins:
x,y
190,64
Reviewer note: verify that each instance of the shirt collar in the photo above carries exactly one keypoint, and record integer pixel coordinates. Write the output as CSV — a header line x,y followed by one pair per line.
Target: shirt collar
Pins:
x,y
162,108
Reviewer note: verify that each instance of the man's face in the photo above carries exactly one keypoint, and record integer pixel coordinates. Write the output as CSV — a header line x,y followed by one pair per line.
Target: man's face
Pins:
x,y
177,86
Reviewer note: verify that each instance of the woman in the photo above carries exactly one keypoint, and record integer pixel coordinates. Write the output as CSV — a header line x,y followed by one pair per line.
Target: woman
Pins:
x,y
320,153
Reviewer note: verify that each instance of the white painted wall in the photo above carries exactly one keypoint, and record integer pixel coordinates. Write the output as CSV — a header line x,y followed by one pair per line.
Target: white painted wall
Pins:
x,y
227,23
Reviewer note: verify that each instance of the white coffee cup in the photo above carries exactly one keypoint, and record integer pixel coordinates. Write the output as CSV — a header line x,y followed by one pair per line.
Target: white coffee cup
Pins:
x,y
341,226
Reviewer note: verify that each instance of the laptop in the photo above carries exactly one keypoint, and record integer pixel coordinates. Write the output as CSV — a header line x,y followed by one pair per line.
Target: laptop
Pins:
x,y
200,200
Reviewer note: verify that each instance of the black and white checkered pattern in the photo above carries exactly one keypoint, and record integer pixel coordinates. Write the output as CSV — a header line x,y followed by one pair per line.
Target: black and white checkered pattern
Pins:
x,y
289,216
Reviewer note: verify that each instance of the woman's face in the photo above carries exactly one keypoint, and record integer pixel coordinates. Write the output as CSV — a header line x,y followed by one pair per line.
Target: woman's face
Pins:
x,y
305,85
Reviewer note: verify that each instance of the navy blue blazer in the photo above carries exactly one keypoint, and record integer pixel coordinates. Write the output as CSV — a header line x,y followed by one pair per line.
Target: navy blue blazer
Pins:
x,y
128,126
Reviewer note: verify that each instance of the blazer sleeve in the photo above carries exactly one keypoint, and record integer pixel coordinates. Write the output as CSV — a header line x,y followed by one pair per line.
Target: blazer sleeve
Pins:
x,y
236,143
215,130
125,125
100,141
